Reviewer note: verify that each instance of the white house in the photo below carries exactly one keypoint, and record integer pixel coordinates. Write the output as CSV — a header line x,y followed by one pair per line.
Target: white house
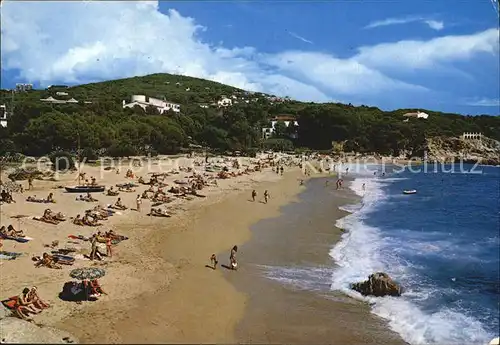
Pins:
x,y
61,93
51,99
418,115
3,115
268,131
225,102
22,87
143,102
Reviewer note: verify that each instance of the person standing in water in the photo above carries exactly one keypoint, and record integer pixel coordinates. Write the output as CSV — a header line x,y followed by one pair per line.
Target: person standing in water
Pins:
x,y
266,196
254,195
232,258
364,186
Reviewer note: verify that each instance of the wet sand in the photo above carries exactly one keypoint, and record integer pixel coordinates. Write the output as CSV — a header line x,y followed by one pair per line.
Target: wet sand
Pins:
x,y
300,240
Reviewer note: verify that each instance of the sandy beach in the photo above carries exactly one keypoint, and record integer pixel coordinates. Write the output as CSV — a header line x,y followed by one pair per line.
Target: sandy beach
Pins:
x,y
159,283
163,260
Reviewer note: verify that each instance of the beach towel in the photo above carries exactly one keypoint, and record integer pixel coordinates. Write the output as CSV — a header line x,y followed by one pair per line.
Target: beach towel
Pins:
x,y
10,303
9,255
17,239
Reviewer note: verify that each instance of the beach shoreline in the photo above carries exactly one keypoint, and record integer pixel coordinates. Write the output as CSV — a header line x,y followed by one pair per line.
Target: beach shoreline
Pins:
x,y
288,276
160,286
198,304
164,260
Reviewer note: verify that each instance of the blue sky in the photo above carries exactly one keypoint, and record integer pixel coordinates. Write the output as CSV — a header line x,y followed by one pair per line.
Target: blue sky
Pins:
x,y
440,55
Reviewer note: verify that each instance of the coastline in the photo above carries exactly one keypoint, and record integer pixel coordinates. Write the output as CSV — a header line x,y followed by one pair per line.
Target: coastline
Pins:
x,y
190,303
287,277
160,289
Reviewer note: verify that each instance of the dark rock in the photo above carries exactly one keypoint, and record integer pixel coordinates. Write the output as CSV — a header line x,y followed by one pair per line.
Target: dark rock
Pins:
x,y
378,284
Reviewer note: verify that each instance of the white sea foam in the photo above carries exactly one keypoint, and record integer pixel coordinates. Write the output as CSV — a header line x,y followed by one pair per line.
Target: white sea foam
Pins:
x,y
364,250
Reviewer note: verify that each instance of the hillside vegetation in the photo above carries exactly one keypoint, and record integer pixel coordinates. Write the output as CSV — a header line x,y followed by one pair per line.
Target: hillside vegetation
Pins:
x,y
38,128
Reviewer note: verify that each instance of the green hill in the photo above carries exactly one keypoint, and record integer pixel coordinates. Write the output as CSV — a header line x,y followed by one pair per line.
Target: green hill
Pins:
x,y
37,128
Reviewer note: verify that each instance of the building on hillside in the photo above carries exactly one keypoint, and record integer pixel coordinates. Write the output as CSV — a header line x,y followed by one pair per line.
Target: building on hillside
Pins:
x,y
144,101
3,115
418,115
287,119
225,102
204,106
53,100
50,87
22,87
61,93
472,136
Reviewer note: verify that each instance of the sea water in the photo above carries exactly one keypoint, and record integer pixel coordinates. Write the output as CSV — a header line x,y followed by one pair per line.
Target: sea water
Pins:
x,y
441,244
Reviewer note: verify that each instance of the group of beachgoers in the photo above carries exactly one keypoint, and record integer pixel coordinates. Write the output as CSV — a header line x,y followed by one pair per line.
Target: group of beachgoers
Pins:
x,y
233,264
265,195
6,196
28,302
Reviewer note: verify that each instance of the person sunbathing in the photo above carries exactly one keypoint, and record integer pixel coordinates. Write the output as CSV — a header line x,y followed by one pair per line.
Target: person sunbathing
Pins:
x,y
7,197
89,198
141,180
35,299
48,217
150,189
88,221
126,189
112,192
158,212
145,195
59,217
50,198
78,220
96,288
119,205
24,307
47,261
103,212
14,232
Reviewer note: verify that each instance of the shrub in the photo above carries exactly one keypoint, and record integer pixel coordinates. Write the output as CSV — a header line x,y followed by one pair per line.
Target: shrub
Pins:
x,y
89,154
62,160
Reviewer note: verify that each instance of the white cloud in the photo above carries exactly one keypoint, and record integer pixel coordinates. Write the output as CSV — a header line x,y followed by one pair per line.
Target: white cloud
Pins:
x,y
485,102
345,77
83,41
433,24
428,54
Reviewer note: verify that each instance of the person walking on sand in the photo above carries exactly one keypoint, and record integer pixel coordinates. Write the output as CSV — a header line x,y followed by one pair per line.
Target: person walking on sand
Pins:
x,y
266,196
213,260
30,182
281,170
254,195
93,248
138,202
232,258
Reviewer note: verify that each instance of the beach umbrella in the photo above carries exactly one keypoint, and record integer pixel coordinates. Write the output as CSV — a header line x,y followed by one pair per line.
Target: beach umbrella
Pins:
x,y
87,273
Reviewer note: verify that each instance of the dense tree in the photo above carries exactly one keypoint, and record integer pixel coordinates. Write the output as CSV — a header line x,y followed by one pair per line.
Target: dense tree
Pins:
x,y
101,123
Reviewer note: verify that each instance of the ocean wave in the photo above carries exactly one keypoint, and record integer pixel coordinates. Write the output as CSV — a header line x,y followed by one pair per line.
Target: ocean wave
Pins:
x,y
364,249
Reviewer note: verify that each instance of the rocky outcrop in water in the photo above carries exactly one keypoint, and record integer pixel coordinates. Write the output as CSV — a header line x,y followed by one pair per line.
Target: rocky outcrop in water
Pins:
x,y
378,284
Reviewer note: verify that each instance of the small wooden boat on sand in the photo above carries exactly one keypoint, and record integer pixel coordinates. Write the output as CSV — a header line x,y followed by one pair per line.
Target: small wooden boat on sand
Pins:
x,y
85,189
411,191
